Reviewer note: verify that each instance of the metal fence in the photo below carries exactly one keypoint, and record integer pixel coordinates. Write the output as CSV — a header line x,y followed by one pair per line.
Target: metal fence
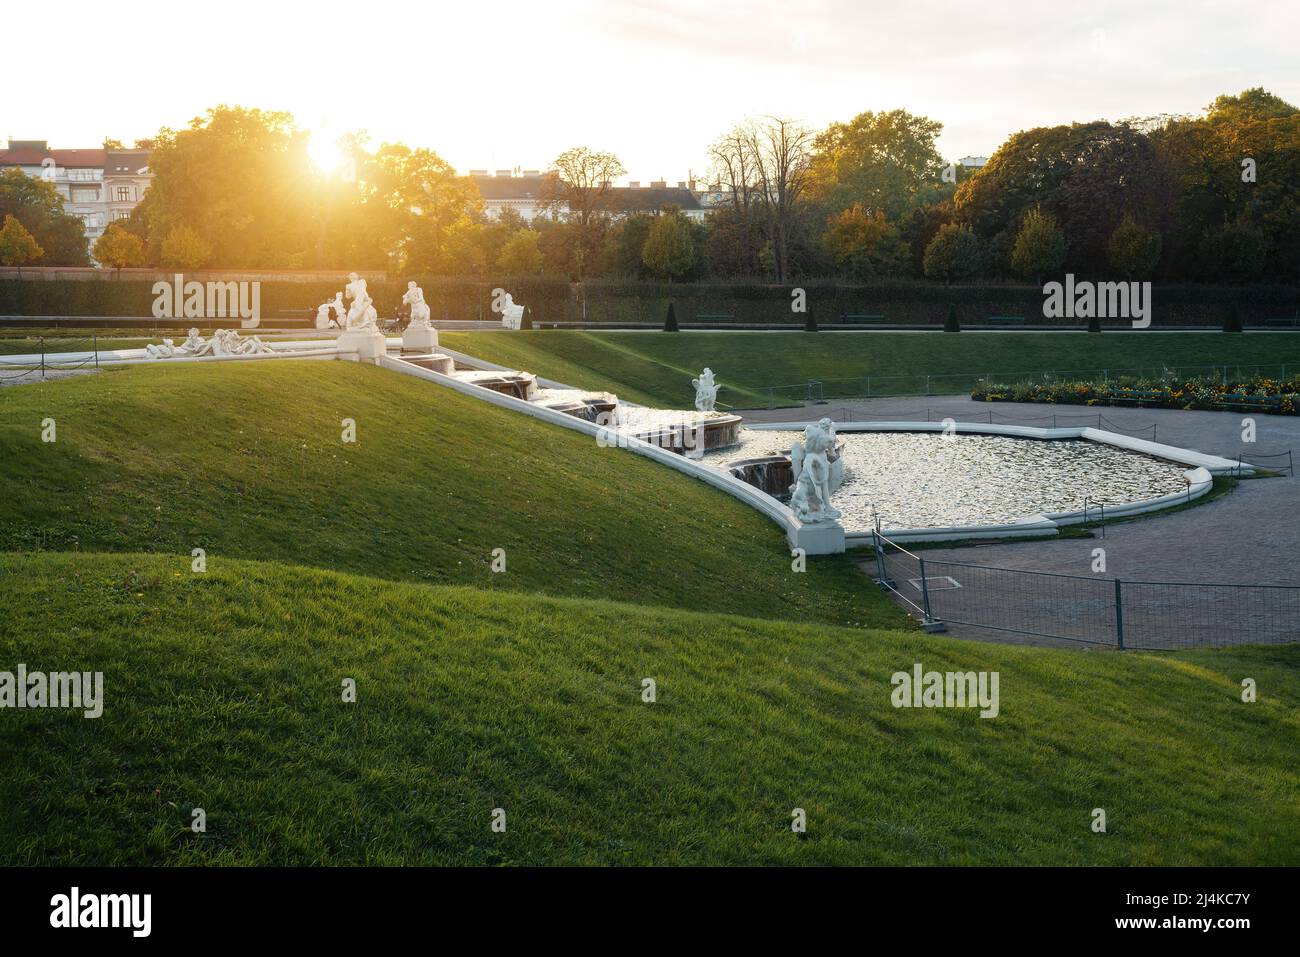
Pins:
x,y
52,356
952,383
1091,610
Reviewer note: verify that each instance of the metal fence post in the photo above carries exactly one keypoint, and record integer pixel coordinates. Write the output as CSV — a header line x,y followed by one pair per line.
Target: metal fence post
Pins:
x,y
42,357
880,558
95,342
925,591
1119,615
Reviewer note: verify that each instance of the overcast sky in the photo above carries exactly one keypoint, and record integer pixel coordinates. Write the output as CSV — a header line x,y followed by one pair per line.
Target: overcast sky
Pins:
x,y
503,84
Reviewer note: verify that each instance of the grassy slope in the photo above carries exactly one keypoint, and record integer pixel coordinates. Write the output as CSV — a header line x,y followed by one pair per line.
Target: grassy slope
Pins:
x,y
222,691
655,367
246,460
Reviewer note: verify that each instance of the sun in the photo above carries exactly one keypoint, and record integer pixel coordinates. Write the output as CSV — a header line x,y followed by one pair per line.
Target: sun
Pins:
x,y
324,152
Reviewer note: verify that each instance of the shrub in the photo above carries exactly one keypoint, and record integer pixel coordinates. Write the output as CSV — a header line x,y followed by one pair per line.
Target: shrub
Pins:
x,y
950,324
809,322
670,320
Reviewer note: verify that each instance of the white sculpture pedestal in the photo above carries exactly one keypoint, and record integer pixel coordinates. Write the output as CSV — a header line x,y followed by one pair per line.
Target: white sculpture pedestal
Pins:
x,y
368,344
818,538
422,340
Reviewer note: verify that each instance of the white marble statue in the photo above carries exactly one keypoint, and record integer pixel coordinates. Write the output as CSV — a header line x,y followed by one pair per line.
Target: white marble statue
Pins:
x,y
706,391
340,311
419,308
323,320
361,314
512,316
810,498
224,342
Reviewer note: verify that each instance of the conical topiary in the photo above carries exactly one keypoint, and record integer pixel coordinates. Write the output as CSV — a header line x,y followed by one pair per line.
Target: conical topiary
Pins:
x,y
670,320
526,322
809,322
1094,324
1233,322
950,324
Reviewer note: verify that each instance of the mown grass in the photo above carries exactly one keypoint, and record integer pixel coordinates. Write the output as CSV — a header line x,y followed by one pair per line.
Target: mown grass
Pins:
x,y
223,691
656,367
247,460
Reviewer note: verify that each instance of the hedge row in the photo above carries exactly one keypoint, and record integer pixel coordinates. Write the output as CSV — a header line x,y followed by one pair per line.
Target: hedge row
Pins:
x,y
554,299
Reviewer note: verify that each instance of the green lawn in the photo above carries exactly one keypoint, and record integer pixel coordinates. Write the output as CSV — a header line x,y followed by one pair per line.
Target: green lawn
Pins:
x,y
223,691
246,460
657,367
522,690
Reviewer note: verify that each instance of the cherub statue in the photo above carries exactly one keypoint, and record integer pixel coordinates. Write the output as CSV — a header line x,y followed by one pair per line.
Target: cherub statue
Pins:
x,y
706,391
810,498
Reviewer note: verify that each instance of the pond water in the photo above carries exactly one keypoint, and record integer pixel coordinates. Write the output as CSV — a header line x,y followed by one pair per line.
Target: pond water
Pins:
x,y
926,480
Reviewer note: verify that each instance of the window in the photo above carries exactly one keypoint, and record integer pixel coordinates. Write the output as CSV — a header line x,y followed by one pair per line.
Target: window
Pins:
x,y
124,194
121,214
85,196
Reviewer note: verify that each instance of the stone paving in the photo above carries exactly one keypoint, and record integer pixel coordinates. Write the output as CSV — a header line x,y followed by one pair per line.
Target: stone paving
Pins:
x,y
1249,536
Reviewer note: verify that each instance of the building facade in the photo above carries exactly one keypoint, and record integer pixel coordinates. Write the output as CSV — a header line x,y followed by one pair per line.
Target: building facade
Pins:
x,y
97,185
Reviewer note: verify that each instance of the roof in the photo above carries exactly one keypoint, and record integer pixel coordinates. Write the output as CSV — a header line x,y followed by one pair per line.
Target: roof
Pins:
x,y
625,198
26,156
126,162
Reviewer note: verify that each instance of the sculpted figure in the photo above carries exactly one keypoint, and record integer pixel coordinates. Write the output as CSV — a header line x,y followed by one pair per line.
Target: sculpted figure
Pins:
x,y
512,316
419,308
706,391
810,497
361,314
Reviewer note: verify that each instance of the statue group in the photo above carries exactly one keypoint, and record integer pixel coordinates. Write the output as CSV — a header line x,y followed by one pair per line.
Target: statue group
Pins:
x,y
420,316
810,497
224,342
360,314
512,316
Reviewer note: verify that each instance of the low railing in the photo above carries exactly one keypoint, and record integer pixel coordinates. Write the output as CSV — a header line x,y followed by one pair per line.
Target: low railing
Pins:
x,y
1092,610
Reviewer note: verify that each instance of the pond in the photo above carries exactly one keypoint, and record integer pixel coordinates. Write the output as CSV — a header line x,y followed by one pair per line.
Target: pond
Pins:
x,y
927,480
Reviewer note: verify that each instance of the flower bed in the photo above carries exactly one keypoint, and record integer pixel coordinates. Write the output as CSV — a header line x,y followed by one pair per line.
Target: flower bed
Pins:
x,y
1263,395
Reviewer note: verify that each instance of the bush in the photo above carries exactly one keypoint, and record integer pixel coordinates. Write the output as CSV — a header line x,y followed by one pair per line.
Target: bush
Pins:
x,y
809,322
1233,321
527,321
670,320
950,324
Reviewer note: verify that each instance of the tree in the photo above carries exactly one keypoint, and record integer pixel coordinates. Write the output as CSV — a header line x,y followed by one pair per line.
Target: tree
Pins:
x,y
39,207
670,320
521,255
954,253
17,245
886,161
1039,249
185,249
865,245
1133,250
669,250
581,183
119,248
781,149
112,144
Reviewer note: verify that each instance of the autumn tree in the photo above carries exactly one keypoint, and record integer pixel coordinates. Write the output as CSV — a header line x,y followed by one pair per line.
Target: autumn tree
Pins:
x,y
580,185
119,248
38,206
781,149
17,246
184,248
953,254
864,244
669,251
1039,248
1133,250
521,255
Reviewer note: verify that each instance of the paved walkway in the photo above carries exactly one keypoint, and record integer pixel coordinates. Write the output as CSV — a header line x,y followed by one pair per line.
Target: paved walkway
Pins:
x,y
1249,536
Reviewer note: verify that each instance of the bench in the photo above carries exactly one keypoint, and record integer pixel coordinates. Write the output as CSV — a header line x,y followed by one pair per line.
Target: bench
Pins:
x,y
1286,322
715,318
1006,319
859,318
1266,403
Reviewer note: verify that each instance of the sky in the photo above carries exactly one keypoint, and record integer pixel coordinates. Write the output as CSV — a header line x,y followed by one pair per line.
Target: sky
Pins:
x,y
498,83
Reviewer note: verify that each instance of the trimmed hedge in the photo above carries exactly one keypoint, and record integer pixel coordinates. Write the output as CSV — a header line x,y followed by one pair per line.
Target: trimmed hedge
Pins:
x,y
554,299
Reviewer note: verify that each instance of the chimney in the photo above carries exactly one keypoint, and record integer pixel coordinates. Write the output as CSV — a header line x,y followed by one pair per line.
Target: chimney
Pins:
x,y
478,172
503,172
633,184
658,184
681,184
532,172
